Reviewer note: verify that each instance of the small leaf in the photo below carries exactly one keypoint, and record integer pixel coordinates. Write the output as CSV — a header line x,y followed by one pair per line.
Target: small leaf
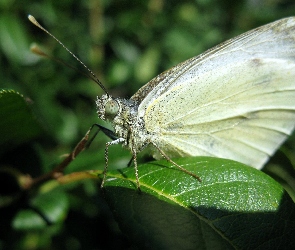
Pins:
x,y
27,219
14,41
54,205
235,206
46,208
147,65
17,123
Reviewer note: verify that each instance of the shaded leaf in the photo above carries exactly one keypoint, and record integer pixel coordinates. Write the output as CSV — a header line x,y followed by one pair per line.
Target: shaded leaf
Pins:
x,y
54,205
17,123
46,209
235,206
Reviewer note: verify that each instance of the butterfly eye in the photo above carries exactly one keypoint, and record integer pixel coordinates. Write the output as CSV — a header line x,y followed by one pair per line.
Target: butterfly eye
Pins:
x,y
111,109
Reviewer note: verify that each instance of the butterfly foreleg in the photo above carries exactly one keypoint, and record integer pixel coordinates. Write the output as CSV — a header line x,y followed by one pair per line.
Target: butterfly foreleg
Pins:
x,y
106,156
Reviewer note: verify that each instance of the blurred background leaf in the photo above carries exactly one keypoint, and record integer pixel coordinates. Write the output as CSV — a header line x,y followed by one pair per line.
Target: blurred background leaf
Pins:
x,y
126,43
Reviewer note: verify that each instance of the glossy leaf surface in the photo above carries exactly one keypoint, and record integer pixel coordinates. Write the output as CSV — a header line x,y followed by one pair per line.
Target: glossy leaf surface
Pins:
x,y
235,206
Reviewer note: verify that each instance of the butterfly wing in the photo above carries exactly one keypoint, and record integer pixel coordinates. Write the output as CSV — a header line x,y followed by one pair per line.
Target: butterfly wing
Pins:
x,y
234,101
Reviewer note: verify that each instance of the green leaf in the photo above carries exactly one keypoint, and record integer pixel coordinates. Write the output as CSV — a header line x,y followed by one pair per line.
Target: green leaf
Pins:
x,y
234,207
46,208
28,219
147,64
17,123
54,205
14,41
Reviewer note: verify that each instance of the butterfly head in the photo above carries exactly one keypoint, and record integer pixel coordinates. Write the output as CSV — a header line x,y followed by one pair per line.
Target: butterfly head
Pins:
x,y
107,107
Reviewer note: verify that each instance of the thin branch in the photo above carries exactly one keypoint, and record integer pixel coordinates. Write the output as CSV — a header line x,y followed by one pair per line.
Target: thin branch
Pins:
x,y
59,169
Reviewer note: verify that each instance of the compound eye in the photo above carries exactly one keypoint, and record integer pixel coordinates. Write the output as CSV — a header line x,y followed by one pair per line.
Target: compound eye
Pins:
x,y
111,109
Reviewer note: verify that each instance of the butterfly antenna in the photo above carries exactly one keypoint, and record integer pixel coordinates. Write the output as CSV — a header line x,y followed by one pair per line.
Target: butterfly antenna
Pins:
x,y
92,75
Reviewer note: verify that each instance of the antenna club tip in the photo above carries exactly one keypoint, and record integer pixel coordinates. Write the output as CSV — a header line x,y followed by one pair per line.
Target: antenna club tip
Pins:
x,y
31,18
37,51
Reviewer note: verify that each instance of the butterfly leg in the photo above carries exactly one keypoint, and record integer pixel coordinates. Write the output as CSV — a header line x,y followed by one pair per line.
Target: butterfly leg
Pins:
x,y
135,168
106,156
175,164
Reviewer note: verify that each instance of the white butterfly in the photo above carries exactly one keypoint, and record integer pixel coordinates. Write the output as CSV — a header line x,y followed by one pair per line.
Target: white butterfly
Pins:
x,y
234,101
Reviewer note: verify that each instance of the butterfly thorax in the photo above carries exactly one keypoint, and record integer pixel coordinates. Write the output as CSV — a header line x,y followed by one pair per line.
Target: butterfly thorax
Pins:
x,y
123,114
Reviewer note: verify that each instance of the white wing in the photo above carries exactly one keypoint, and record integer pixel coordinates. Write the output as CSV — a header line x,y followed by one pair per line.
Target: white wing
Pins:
x,y
234,101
